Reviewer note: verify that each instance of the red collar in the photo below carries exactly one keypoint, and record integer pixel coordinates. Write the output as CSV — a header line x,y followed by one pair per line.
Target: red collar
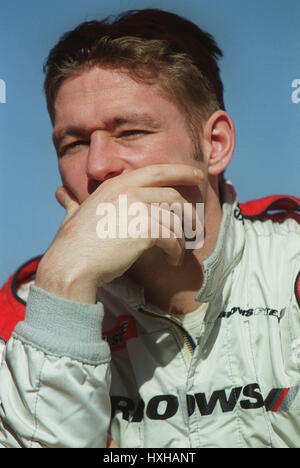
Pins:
x,y
12,307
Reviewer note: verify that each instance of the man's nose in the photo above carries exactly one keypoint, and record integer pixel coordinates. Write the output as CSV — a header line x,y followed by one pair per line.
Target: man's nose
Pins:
x,y
104,159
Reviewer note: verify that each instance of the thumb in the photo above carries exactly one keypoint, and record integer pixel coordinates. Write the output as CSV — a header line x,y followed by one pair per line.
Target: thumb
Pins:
x,y
67,200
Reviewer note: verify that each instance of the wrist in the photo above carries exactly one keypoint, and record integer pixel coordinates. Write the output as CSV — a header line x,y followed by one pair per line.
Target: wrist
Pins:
x,y
66,284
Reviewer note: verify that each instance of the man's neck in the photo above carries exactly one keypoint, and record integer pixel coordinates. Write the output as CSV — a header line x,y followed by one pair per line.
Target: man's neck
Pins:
x,y
172,288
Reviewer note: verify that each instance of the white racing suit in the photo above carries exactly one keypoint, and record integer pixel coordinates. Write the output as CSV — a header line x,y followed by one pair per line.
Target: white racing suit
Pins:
x,y
62,385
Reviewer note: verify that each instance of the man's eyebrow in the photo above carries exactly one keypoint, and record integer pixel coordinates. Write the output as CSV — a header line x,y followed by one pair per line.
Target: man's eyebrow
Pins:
x,y
134,118
110,124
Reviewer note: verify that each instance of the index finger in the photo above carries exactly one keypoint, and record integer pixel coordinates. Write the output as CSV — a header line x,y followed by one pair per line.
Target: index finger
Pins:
x,y
170,174
158,175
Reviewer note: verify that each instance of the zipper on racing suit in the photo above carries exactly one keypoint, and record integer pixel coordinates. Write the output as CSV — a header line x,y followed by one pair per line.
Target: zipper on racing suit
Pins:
x,y
182,335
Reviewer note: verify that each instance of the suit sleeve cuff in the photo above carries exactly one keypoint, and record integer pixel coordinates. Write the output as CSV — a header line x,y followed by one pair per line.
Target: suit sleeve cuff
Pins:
x,y
62,327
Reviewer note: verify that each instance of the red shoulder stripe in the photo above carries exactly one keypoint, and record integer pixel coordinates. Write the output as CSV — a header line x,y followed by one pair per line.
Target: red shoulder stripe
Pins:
x,y
12,307
286,206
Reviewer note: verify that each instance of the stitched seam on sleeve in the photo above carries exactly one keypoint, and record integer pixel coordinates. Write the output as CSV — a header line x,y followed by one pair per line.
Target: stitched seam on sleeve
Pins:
x,y
36,403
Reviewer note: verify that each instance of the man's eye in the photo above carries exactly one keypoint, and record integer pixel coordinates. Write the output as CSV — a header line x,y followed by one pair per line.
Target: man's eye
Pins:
x,y
72,147
132,133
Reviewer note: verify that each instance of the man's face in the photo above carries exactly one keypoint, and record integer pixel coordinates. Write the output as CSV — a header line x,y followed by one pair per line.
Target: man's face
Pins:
x,y
107,123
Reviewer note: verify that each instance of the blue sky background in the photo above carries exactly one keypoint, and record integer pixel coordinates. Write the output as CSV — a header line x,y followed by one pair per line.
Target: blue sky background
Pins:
x,y
260,40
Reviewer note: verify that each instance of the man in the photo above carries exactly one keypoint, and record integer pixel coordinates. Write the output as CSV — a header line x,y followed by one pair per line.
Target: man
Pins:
x,y
200,345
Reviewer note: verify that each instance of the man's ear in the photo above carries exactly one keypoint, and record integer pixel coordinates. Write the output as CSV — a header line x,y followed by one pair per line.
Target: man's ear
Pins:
x,y
218,142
